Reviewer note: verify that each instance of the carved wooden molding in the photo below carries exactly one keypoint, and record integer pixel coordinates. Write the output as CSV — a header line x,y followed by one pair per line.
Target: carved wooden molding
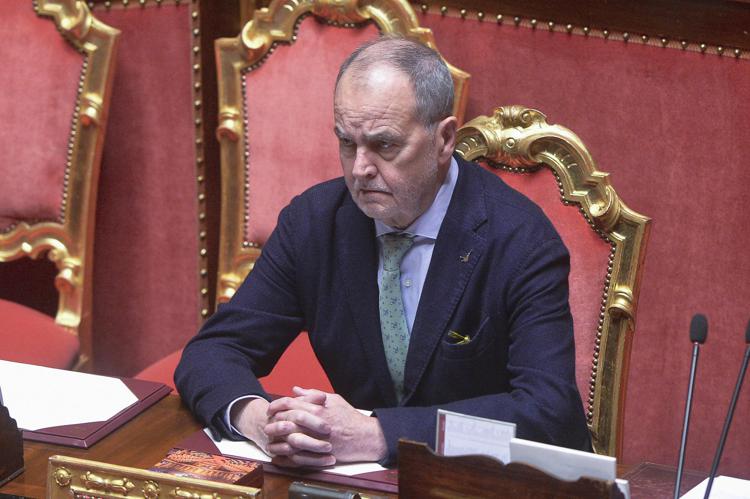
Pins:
x,y
519,138
245,52
70,240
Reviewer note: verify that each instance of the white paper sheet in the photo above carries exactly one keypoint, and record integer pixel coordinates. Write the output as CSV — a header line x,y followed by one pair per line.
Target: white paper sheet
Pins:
x,y
567,464
42,397
464,434
563,463
249,450
724,487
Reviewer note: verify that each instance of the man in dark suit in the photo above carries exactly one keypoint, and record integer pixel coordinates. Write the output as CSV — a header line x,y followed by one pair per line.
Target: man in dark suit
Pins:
x,y
424,282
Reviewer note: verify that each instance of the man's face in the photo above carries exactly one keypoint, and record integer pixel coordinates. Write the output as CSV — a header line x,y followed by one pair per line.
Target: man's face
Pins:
x,y
392,164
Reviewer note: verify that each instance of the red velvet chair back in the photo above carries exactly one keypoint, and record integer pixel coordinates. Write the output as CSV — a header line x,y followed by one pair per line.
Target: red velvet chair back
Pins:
x,y
284,64
605,238
56,81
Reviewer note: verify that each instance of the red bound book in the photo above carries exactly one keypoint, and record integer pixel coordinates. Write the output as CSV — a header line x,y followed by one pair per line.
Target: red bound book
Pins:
x,y
194,464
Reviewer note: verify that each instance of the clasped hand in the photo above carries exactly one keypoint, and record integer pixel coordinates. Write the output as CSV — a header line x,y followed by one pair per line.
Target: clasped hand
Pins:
x,y
313,429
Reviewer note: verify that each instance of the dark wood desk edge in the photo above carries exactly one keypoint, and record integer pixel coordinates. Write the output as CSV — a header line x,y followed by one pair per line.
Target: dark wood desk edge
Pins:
x,y
140,443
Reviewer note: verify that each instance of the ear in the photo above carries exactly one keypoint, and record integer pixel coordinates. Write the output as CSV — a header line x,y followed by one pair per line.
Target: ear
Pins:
x,y
445,134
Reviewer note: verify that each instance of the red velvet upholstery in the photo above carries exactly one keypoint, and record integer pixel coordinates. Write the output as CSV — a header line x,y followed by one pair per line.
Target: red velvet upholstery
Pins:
x,y
589,255
5,223
34,338
147,293
290,125
296,366
162,370
40,73
672,128
49,161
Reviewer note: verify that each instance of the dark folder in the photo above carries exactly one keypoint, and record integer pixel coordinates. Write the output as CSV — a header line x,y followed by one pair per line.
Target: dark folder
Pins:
x,y
87,434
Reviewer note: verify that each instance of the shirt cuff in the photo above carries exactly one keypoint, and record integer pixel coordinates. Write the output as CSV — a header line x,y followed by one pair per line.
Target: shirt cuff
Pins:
x,y
228,413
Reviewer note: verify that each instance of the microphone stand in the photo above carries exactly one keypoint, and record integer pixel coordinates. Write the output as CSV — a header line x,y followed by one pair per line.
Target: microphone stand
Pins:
x,y
727,421
686,423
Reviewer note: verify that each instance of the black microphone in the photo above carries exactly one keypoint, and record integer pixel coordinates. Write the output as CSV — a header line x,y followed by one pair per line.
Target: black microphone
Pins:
x,y
698,332
730,413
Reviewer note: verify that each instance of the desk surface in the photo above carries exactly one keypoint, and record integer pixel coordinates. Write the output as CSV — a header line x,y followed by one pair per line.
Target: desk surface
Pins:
x,y
140,443
145,440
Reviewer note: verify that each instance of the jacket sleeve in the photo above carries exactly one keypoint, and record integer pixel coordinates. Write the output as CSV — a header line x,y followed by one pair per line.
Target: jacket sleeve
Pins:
x,y
244,339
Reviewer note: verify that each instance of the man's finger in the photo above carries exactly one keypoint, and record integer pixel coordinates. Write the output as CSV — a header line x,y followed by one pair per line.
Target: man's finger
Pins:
x,y
309,423
299,442
290,404
310,395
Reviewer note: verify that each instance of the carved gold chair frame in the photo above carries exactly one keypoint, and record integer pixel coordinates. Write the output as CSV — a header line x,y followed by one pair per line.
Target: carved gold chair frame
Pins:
x,y
68,241
80,478
269,26
519,139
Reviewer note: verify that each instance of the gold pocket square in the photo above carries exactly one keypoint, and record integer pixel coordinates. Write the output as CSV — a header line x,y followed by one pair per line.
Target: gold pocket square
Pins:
x,y
458,338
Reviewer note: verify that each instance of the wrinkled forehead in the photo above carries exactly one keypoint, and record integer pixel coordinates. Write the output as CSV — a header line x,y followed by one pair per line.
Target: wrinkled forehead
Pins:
x,y
379,89
376,79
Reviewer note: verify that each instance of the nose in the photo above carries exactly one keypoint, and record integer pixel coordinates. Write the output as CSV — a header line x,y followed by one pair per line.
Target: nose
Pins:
x,y
363,165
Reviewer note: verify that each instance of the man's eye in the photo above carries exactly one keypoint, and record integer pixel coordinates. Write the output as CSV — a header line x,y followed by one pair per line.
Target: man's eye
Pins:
x,y
345,142
384,146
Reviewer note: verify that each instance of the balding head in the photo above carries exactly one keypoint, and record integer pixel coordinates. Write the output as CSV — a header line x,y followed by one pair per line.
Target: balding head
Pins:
x,y
429,76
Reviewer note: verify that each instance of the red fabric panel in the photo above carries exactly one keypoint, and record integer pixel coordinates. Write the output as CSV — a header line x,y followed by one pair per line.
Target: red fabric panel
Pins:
x,y
162,370
146,283
39,83
289,106
6,223
671,127
34,338
589,255
298,366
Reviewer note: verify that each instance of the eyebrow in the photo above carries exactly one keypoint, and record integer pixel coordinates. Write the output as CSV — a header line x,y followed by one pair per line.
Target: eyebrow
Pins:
x,y
374,137
339,133
383,137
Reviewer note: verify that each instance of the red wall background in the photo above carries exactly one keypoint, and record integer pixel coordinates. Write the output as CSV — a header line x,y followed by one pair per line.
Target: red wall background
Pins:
x,y
146,275
672,128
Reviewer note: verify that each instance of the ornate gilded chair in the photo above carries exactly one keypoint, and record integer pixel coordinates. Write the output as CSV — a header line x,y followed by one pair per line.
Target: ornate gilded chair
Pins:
x,y
284,63
56,79
80,478
606,240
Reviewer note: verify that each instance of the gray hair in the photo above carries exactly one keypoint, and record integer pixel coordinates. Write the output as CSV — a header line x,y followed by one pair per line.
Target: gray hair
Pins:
x,y
429,75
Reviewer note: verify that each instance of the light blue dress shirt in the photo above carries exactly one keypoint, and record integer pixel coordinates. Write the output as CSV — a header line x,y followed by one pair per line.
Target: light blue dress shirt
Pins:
x,y
415,262
425,230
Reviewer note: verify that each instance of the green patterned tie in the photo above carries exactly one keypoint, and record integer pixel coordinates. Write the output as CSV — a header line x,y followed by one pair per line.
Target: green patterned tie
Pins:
x,y
392,317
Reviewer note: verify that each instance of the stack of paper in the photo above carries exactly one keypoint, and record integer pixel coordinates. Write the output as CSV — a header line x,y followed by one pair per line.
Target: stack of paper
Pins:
x,y
41,397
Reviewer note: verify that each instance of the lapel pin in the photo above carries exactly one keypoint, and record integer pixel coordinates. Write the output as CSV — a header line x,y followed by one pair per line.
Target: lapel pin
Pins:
x,y
465,258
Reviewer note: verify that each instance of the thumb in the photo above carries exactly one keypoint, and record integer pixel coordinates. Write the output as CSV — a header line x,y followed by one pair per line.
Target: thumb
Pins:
x,y
310,395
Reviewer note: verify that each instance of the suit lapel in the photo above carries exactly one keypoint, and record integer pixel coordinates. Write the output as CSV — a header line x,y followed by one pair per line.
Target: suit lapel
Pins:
x,y
355,243
457,250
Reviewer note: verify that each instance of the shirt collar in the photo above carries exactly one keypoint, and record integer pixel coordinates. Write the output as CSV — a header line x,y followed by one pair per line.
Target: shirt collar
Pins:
x,y
428,223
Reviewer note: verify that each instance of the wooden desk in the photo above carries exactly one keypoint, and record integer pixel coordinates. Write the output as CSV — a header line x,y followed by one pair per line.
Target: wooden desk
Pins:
x,y
145,440
140,443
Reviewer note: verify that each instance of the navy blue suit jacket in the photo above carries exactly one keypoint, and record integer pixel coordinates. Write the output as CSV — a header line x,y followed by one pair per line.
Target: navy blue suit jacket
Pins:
x,y
498,274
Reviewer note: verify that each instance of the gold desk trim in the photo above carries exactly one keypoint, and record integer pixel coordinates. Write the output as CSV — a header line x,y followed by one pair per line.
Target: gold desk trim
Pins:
x,y
235,56
521,139
70,239
72,477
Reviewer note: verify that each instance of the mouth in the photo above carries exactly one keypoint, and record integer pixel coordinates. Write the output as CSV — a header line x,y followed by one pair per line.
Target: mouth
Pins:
x,y
367,192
